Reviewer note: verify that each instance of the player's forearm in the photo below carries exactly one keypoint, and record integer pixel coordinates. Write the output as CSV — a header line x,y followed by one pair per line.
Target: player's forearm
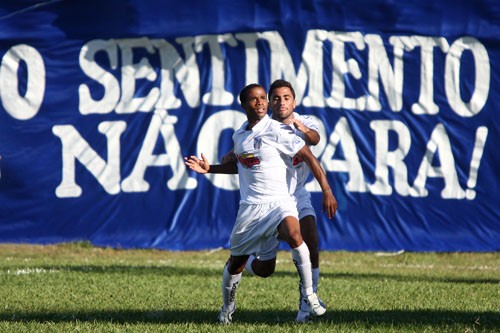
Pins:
x,y
311,137
318,173
226,168
315,167
320,176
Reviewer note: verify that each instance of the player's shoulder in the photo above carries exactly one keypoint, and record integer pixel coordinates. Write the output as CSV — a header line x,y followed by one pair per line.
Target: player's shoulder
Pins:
x,y
277,129
307,120
276,125
302,117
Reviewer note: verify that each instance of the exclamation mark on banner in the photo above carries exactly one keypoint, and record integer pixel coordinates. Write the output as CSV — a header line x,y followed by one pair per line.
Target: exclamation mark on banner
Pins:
x,y
477,154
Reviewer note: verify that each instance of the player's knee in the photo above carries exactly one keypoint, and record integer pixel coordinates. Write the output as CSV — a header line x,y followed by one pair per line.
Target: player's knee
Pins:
x,y
266,272
264,269
294,239
235,266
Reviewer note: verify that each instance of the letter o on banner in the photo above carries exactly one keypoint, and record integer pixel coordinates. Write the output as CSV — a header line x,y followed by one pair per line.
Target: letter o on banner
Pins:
x,y
27,106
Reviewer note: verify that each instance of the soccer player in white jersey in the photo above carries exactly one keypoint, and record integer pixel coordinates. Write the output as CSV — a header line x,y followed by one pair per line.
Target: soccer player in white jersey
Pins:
x,y
267,209
282,104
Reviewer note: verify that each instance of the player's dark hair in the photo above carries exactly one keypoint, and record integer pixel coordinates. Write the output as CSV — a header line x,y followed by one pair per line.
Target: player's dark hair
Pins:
x,y
280,84
244,91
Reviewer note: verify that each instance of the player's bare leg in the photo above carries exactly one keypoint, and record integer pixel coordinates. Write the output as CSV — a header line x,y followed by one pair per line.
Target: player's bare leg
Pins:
x,y
230,280
289,231
309,233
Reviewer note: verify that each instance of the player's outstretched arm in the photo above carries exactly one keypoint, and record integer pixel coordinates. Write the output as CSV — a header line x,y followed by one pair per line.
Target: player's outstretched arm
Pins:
x,y
329,201
203,166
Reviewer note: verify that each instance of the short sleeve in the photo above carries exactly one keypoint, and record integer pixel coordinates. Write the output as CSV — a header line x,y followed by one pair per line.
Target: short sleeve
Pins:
x,y
309,122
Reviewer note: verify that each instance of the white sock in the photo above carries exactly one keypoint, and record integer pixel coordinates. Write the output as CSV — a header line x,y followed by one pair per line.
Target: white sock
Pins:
x,y
229,285
315,273
302,261
248,265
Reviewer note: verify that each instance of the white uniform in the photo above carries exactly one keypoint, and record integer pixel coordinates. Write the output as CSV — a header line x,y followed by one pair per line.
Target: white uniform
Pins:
x,y
303,196
266,186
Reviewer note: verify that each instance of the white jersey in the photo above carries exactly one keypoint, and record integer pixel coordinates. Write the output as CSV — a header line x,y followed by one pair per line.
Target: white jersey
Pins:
x,y
264,156
300,166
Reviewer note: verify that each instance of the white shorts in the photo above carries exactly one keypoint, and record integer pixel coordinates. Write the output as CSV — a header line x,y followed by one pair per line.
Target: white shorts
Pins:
x,y
304,205
255,231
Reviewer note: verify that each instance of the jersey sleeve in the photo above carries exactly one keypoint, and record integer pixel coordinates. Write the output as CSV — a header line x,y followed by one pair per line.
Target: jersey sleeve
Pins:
x,y
309,122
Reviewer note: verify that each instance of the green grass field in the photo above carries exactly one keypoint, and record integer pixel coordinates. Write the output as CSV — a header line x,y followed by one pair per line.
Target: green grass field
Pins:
x,y
81,288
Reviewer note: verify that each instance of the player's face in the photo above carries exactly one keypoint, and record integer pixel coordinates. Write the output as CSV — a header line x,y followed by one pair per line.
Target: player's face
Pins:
x,y
282,104
256,104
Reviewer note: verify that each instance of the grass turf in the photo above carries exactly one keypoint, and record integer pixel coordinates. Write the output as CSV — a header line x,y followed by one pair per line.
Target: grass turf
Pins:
x,y
80,288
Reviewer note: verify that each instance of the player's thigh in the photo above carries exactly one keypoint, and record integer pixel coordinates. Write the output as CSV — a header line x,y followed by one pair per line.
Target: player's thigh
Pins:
x,y
289,231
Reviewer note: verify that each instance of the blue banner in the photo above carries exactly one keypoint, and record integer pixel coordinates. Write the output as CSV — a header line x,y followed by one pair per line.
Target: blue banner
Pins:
x,y
100,101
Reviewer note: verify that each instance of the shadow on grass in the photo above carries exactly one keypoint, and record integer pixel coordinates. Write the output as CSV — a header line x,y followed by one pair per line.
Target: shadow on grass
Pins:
x,y
410,278
485,320
200,271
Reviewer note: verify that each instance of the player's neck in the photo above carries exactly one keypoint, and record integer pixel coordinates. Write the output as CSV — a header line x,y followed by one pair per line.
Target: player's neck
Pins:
x,y
253,119
252,123
286,120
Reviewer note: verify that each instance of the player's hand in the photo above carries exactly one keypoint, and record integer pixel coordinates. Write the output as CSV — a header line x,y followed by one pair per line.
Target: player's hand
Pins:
x,y
298,125
194,163
329,204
